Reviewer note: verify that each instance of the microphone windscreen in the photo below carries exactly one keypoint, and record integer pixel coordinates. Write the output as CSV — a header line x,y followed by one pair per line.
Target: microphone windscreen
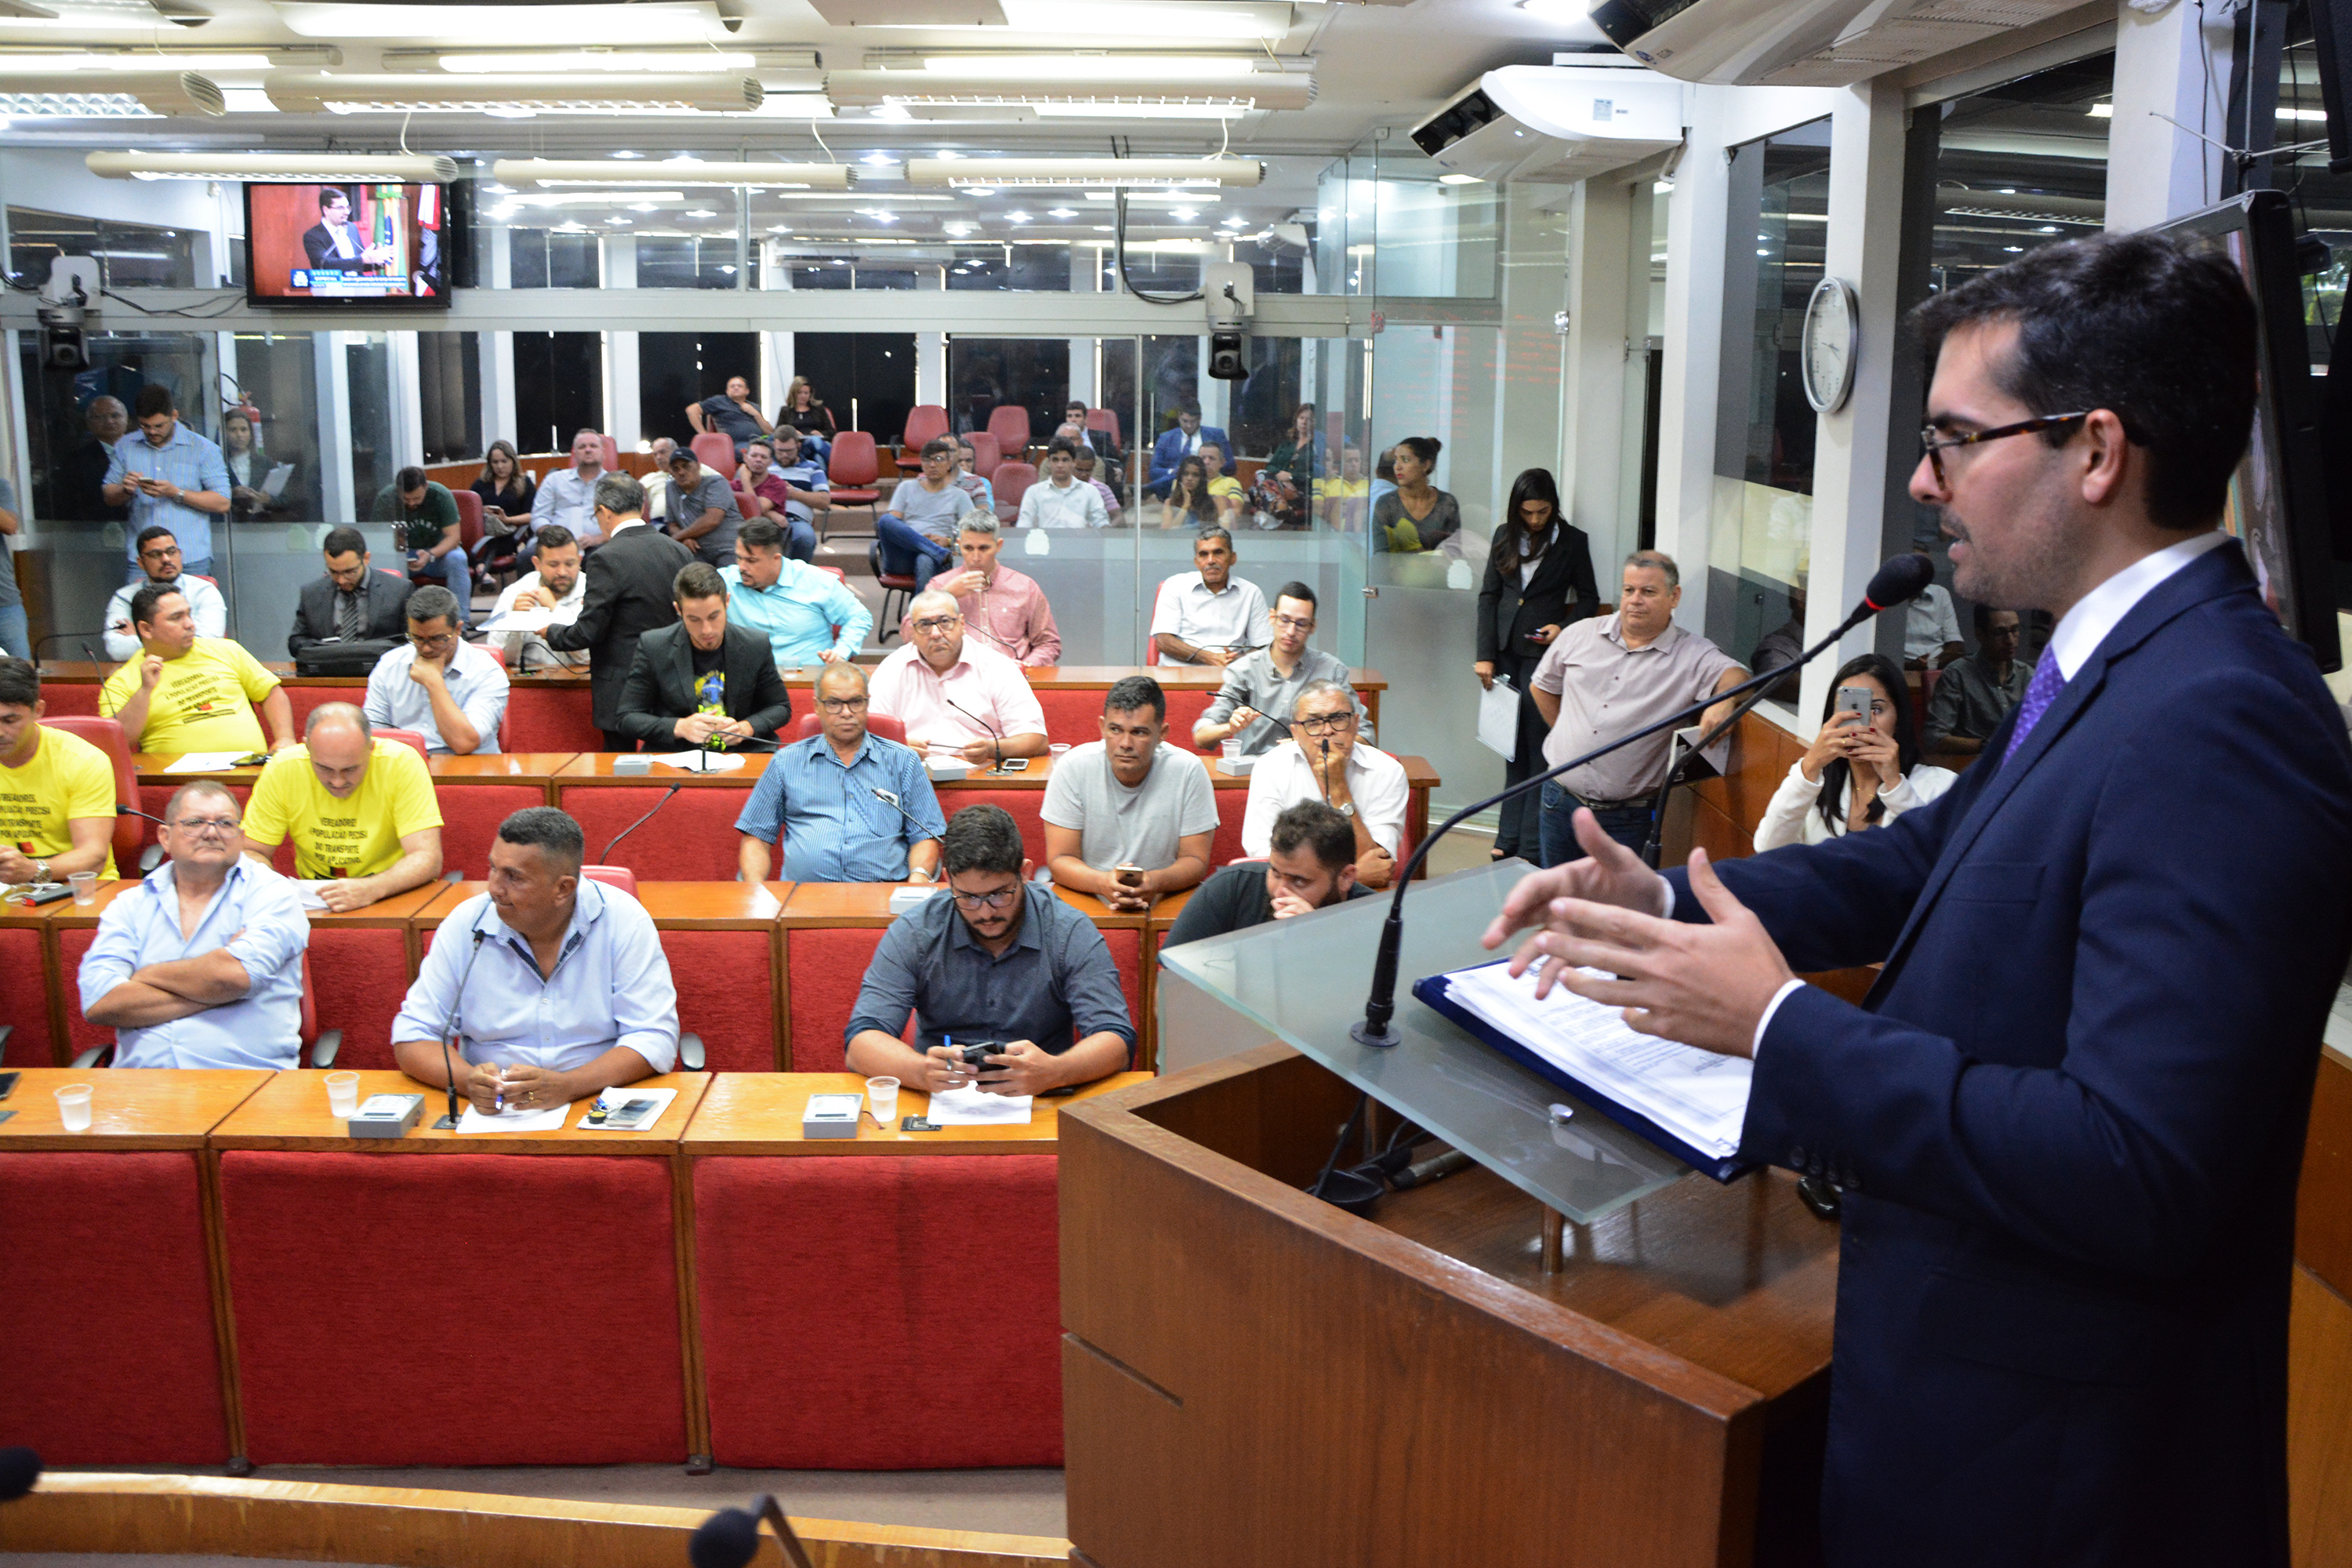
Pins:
x,y
1899,581
727,1538
19,1468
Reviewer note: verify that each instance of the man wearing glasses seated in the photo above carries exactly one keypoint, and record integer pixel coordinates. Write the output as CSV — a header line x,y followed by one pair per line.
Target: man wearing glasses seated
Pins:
x,y
957,696
1269,681
201,965
1324,760
852,807
451,693
1001,959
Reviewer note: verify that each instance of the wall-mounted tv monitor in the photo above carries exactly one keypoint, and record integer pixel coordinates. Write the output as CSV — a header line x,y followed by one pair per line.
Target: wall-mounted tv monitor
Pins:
x,y
347,245
2278,501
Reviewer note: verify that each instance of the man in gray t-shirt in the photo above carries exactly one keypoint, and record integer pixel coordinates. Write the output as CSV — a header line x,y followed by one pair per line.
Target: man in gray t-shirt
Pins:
x,y
918,534
1129,818
695,494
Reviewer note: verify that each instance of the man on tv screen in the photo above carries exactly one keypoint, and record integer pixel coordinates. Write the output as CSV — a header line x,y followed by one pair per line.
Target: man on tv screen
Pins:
x,y
333,243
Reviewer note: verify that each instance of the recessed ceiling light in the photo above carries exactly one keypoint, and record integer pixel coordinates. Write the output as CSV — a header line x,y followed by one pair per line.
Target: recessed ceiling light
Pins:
x,y
621,220
628,154
980,190
1102,228
946,156
643,207
1459,180
699,212
1061,212
2014,250
878,160
1762,251
1186,213
1018,218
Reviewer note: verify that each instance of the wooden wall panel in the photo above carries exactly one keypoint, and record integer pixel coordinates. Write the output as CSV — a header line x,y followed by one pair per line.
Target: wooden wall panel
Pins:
x,y
2319,1425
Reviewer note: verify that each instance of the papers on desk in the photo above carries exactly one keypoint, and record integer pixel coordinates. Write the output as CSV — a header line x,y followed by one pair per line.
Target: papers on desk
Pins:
x,y
308,893
530,620
1695,1096
616,1100
549,1120
974,1107
205,761
700,762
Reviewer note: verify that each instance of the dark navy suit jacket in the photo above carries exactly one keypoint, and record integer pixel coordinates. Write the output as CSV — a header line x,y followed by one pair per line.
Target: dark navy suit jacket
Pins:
x,y
2070,1115
1168,451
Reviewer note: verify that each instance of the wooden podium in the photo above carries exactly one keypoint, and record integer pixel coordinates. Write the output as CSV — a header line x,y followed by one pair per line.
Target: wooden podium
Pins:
x,y
1252,1376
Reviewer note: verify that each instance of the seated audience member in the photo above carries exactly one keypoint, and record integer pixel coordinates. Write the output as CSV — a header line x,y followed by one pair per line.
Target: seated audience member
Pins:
x,y
1087,467
1342,501
700,680
201,965
1383,482
1208,616
630,582
446,689
568,496
190,694
78,479
656,482
1005,608
1001,959
1224,489
916,532
1974,694
730,413
1098,441
361,810
702,515
808,615
353,602
159,558
1292,468
424,518
1931,628
805,413
968,478
852,807
1268,682
506,492
1310,864
958,698
1323,760
1174,445
1188,503
1860,772
1059,500
57,791
791,489
1783,646
570,992
554,584
1129,818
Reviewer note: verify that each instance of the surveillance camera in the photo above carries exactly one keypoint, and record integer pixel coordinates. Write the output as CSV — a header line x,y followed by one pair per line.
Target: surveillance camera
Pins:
x,y
1229,356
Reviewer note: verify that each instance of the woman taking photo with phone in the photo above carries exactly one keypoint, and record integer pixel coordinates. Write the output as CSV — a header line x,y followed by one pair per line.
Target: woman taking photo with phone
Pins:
x,y
1861,771
1538,580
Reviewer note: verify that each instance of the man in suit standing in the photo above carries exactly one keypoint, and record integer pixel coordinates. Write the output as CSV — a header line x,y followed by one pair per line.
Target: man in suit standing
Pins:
x,y
628,595
1185,441
701,680
2067,1120
352,603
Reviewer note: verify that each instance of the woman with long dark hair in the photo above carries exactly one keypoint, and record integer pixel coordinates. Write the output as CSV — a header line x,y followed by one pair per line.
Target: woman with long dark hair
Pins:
x,y
1417,516
1188,503
1861,771
1539,581
506,490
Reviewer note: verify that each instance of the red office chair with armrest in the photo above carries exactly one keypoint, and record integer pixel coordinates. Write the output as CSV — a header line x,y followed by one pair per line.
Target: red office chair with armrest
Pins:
x,y
612,456
880,724
895,586
716,450
853,471
1010,425
1013,481
408,737
321,1045
987,451
469,519
107,735
1106,419
924,421
690,1052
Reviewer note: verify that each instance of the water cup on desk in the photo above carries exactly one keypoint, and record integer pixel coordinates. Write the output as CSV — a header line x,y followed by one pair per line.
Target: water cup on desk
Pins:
x,y
343,1095
1230,750
882,1099
84,885
73,1107
1057,750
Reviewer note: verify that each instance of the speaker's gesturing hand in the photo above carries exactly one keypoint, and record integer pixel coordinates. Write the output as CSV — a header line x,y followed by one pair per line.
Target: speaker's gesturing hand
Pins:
x,y
1609,874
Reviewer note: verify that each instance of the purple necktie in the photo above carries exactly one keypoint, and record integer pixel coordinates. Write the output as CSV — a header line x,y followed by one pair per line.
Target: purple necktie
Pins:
x,y
2040,693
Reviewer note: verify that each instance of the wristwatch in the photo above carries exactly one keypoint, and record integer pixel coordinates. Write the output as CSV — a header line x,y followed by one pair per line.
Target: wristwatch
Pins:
x,y
1348,810
40,871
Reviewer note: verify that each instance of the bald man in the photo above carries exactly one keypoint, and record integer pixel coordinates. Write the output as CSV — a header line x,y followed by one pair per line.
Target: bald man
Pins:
x,y
82,473
359,809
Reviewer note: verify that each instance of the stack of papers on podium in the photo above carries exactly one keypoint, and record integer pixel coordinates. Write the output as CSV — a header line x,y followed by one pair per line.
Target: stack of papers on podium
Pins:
x,y
1695,1096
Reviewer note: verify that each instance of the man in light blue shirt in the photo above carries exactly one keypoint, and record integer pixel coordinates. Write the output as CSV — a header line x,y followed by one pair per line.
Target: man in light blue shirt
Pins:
x,y
555,987
568,496
171,477
201,965
795,606
853,807
451,693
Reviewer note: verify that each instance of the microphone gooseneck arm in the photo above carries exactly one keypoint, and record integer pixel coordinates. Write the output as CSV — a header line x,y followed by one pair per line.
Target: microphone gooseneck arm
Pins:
x,y
997,734
605,858
1681,770
449,1028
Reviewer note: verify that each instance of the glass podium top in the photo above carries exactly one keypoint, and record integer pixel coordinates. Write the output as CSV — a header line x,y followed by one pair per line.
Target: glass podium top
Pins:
x,y
1304,980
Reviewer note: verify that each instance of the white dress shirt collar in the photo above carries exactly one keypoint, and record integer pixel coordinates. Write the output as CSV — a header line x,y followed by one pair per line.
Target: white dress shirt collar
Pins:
x,y
2101,610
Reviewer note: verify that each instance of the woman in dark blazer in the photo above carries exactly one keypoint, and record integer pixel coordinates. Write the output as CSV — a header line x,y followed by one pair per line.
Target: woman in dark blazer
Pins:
x,y
1539,581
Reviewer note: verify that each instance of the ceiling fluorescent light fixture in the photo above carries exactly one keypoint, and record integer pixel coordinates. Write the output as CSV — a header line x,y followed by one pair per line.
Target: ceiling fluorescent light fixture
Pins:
x,y
995,172
1072,81
98,16
655,21
691,63
75,61
521,171
647,199
105,95
314,168
1076,68
1135,109
583,93
1189,21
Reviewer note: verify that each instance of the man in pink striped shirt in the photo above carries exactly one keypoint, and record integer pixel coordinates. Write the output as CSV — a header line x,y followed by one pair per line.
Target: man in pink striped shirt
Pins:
x,y
956,695
1004,608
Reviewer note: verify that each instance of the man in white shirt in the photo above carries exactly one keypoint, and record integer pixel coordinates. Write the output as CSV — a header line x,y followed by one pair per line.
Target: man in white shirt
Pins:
x,y
1323,760
451,693
1129,818
159,557
1061,502
568,496
555,585
1931,628
956,695
1208,616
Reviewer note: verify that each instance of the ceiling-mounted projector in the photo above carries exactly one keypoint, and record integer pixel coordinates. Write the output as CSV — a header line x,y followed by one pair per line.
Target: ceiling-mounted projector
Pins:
x,y
1555,124
1805,43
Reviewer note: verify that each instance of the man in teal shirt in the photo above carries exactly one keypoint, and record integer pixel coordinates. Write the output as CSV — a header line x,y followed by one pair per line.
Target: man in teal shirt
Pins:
x,y
795,606
426,515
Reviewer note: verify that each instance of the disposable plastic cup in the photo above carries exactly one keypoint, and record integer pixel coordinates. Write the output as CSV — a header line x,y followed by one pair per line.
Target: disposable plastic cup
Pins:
x,y
1231,749
84,885
1058,748
882,1099
73,1107
343,1095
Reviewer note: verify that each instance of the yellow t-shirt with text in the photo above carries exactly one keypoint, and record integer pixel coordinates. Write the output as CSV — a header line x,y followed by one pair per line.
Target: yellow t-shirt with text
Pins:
x,y
358,837
67,778
204,702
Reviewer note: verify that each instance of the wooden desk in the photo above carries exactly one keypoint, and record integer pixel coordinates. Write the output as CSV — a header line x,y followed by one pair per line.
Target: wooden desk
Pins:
x,y
500,768
156,1107
759,1113
290,1114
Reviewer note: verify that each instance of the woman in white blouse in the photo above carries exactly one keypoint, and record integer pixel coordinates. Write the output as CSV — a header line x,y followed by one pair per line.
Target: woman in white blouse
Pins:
x,y
1858,773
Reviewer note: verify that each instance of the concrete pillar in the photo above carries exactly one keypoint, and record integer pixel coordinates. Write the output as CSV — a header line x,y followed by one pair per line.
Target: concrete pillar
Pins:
x,y
406,399
931,368
1694,332
1594,421
2165,64
332,377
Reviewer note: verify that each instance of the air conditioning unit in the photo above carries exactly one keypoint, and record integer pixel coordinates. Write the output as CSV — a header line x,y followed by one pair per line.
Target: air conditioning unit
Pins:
x,y
1555,124
1805,43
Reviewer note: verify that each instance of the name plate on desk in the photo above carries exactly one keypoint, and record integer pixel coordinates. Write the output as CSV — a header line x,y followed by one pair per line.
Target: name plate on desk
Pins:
x,y
832,1116
386,1115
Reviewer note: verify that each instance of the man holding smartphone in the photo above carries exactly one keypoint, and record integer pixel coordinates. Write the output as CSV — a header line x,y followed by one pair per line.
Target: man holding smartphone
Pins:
x,y
169,478
1130,816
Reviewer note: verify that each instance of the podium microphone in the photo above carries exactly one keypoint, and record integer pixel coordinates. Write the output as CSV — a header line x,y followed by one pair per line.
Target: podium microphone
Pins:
x,y
606,857
730,1538
1898,581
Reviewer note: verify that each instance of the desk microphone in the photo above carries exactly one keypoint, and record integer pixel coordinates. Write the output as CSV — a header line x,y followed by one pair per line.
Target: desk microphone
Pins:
x,y
122,810
19,1468
457,1007
80,638
606,857
993,730
916,828
1679,773
730,1538
1898,581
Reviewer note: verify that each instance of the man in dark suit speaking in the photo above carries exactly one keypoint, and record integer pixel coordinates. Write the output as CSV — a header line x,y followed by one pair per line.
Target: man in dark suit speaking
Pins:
x,y
627,596
701,682
332,245
2067,1120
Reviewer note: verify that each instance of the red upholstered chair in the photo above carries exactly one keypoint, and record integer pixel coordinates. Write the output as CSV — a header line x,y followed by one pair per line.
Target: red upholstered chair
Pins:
x,y
611,456
882,1252
1232,803
823,967
881,724
26,1041
469,519
895,586
924,421
112,1361
851,471
321,1046
1025,805
746,503
619,876
407,737
1184,709
69,699
1010,425
716,450
107,736
470,815
550,719
691,839
1011,482
367,966
986,453
603,1251
839,574
726,996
